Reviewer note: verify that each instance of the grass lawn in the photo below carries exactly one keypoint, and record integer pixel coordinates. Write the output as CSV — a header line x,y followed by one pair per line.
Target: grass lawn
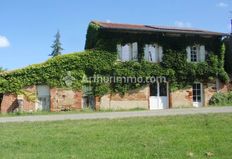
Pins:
x,y
173,137
65,112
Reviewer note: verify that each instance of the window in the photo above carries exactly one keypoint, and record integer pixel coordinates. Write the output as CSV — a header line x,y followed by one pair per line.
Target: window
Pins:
x,y
197,92
153,53
153,89
163,89
196,53
158,89
128,51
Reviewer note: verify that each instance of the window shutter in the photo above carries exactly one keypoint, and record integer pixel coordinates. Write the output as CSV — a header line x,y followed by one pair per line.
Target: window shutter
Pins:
x,y
130,52
146,49
202,53
152,53
160,54
188,50
119,51
155,54
126,52
135,51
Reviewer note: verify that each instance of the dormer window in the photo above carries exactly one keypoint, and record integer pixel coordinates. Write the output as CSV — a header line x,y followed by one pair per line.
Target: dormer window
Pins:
x,y
153,53
128,51
196,53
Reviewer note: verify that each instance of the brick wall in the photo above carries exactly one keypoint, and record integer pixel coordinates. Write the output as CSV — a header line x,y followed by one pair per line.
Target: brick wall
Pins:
x,y
133,99
181,98
63,99
60,99
10,103
29,105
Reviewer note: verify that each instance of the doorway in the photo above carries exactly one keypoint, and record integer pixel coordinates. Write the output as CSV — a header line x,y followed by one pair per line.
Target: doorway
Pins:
x,y
43,94
197,94
158,96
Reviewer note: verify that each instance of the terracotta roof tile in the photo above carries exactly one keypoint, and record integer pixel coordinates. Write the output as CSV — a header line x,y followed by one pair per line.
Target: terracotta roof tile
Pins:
x,y
153,28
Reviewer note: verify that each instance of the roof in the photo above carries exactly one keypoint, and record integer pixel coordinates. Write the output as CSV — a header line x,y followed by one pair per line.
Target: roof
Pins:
x,y
153,28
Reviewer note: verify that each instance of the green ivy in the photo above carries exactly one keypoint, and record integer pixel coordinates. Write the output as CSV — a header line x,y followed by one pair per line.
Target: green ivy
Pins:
x,y
174,67
106,39
89,63
183,73
54,71
228,55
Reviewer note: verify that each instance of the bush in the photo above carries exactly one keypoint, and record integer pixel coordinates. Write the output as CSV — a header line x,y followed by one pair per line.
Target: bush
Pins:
x,y
221,99
229,97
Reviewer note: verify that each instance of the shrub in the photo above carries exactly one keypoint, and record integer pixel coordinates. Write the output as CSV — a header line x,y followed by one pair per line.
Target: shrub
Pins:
x,y
221,99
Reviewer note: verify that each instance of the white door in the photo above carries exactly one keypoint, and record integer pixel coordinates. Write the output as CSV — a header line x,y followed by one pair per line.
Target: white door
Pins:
x,y
158,96
197,95
43,94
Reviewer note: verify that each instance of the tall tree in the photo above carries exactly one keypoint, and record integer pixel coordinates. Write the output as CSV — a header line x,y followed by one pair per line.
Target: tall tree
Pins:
x,y
56,46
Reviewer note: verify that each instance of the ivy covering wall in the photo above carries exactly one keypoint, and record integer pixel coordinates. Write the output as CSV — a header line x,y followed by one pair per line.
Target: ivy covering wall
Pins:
x,y
228,55
54,71
181,73
94,61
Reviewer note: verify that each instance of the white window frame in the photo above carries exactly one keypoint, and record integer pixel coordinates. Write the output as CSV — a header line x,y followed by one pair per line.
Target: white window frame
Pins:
x,y
196,53
133,51
198,93
158,53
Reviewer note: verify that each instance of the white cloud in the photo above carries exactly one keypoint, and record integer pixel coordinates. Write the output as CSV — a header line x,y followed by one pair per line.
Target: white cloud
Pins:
x,y
108,21
222,4
183,24
4,42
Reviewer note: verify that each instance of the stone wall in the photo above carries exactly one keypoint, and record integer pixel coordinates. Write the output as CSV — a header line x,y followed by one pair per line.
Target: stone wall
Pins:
x,y
138,98
63,99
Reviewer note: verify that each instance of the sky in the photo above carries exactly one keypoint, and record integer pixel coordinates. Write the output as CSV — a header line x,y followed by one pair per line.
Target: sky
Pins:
x,y
27,27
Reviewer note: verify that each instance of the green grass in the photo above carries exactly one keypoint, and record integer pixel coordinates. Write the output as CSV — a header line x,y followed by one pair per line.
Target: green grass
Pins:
x,y
13,114
84,110
173,137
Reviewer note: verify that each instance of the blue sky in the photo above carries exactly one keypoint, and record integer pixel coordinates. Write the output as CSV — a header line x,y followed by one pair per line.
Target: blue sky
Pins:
x,y
27,27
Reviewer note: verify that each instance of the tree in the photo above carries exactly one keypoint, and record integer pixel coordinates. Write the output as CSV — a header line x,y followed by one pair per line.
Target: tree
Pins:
x,y
56,46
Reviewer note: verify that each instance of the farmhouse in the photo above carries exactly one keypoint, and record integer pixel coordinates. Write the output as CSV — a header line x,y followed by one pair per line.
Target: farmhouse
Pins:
x,y
191,61
151,43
